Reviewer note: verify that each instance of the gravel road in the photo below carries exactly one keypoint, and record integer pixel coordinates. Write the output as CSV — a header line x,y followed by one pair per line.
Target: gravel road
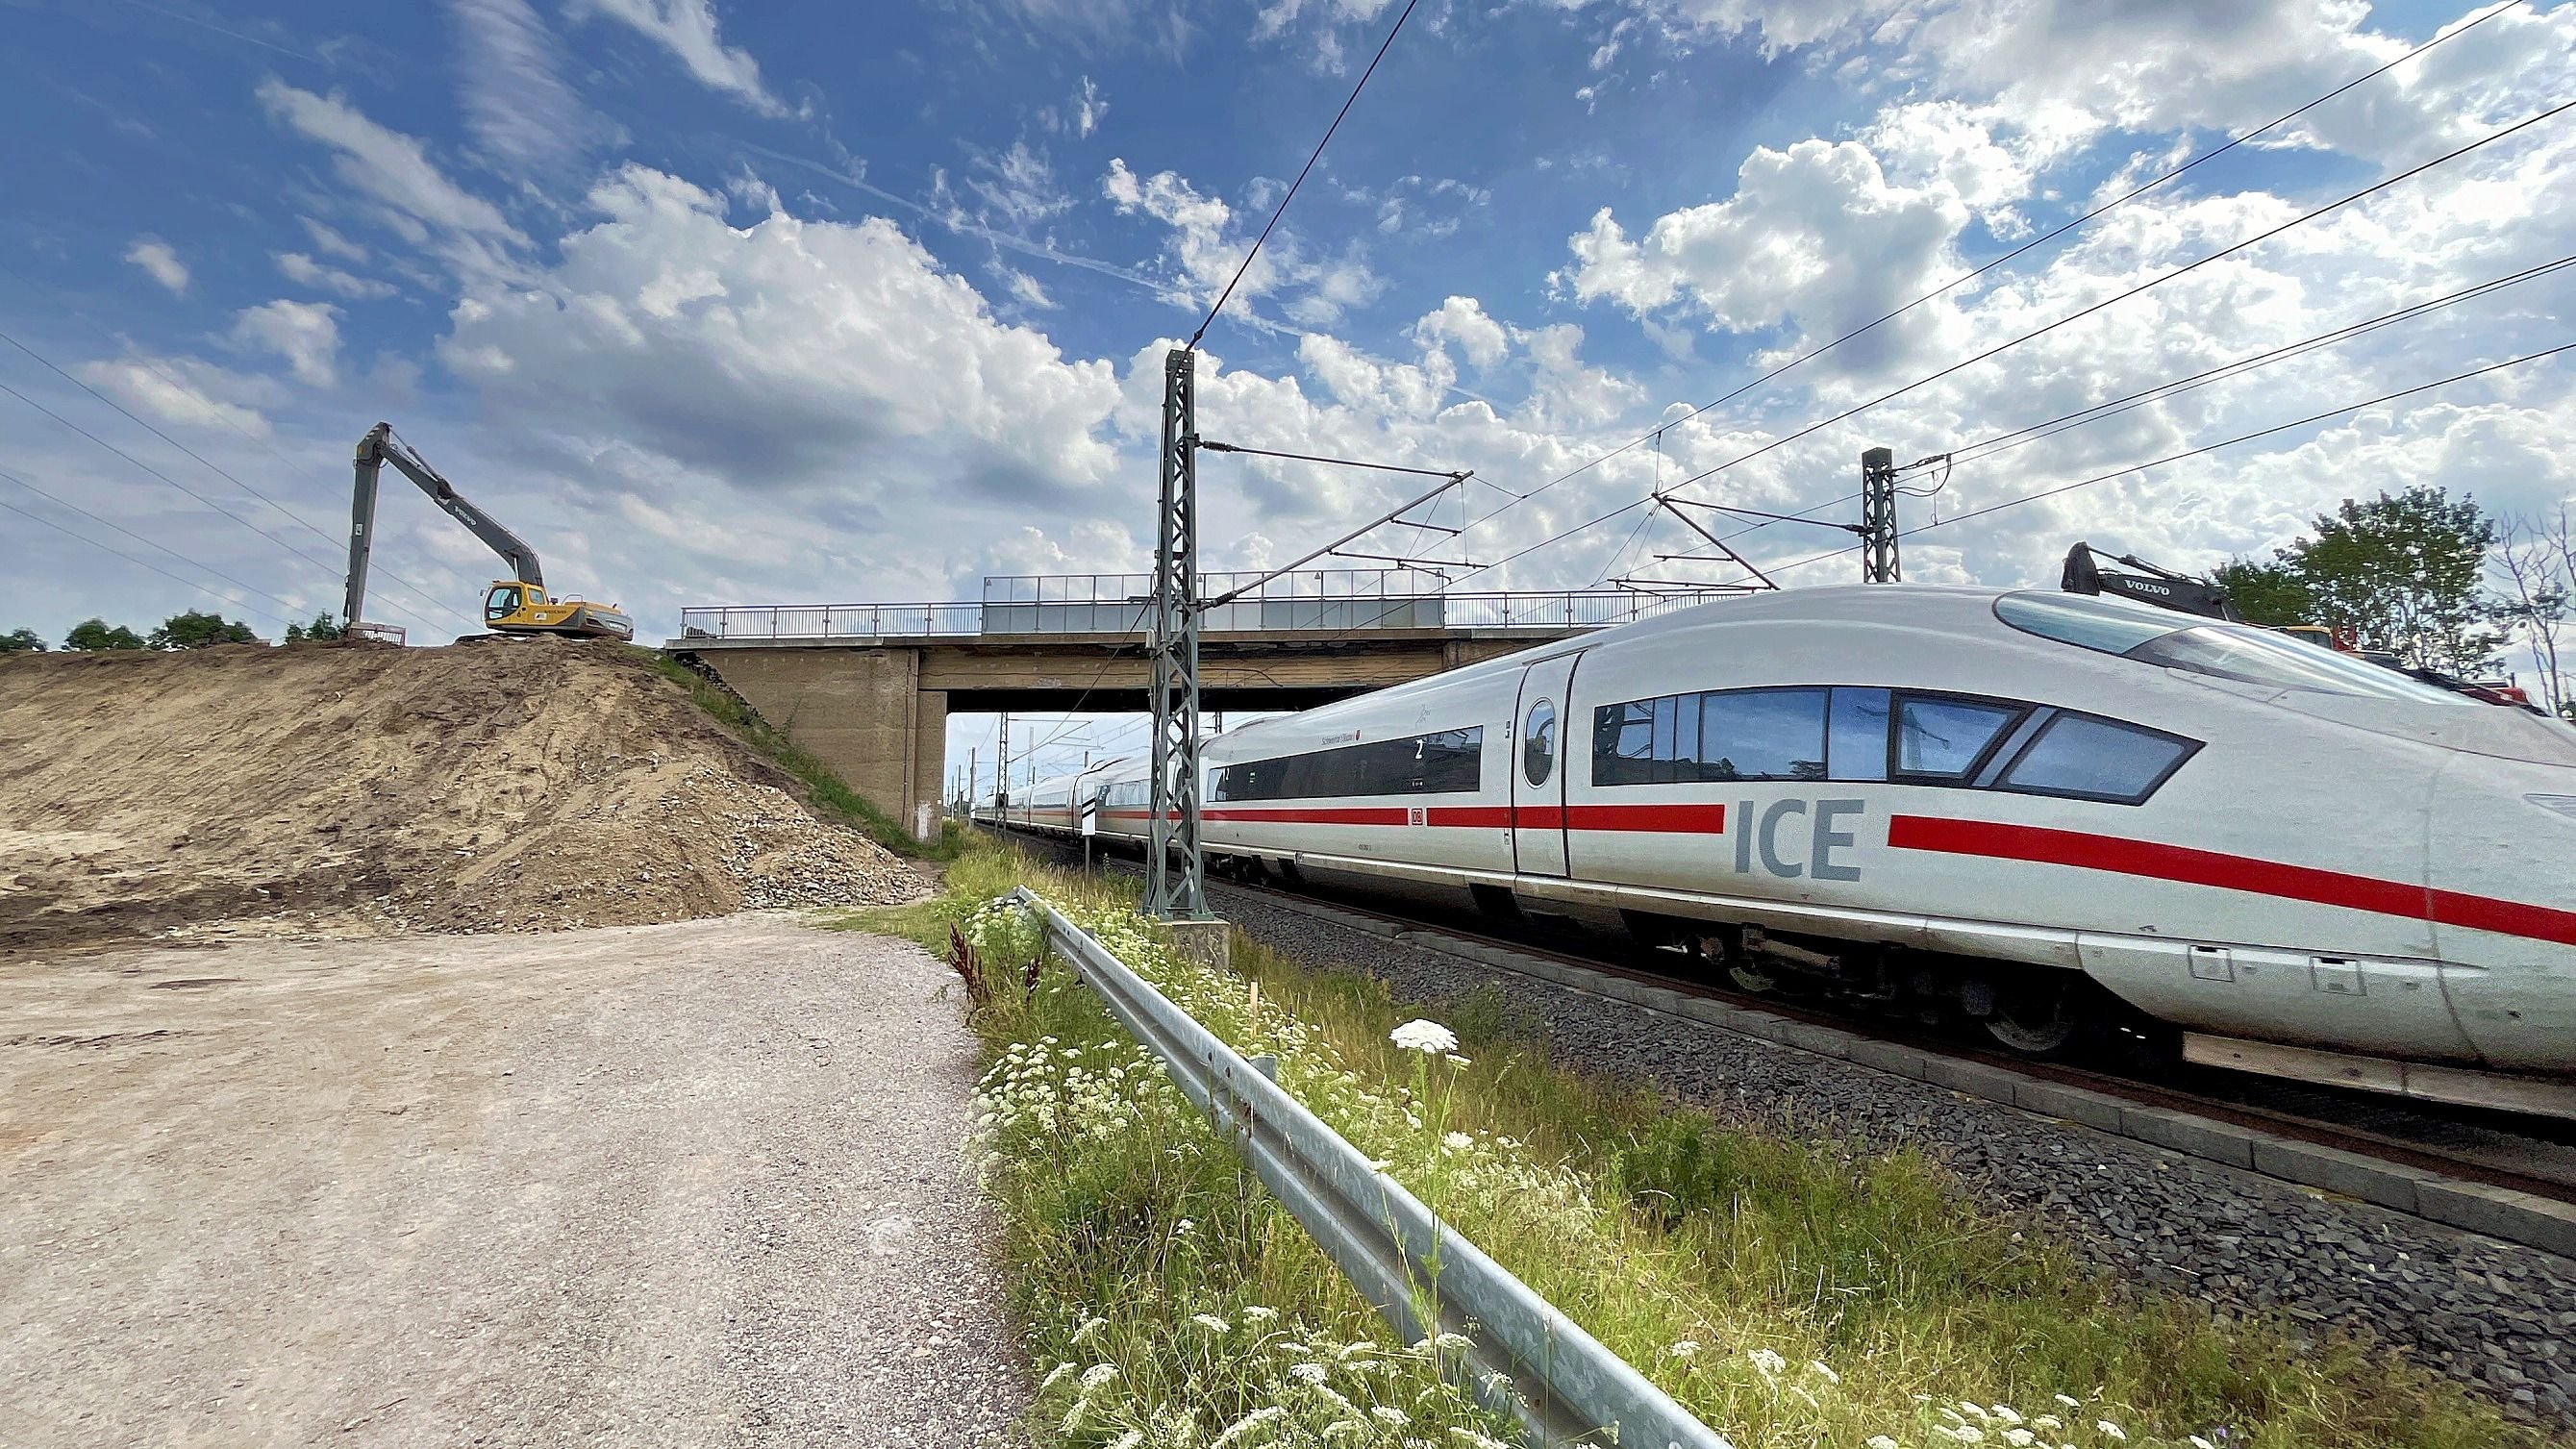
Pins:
x,y
2495,1315
694,1184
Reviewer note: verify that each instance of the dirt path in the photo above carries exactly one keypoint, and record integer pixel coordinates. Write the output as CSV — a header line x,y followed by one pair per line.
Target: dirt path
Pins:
x,y
693,1184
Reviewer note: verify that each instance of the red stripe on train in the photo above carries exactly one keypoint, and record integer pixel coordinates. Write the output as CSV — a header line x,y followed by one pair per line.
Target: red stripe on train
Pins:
x,y
2117,855
1688,819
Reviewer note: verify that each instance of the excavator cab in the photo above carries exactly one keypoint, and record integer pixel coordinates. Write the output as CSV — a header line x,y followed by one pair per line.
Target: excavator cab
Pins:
x,y
506,599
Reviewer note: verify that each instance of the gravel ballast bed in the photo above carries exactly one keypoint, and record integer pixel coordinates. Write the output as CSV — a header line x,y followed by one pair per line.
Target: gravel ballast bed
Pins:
x,y
2497,1316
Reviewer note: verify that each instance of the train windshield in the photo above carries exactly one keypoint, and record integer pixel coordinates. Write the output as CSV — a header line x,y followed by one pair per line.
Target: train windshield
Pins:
x,y
2229,651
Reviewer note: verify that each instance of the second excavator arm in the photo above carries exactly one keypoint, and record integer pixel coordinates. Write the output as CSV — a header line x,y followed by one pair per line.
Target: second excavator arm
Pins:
x,y
380,447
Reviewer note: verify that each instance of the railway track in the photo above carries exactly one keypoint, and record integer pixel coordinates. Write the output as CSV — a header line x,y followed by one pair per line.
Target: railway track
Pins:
x,y
2527,1166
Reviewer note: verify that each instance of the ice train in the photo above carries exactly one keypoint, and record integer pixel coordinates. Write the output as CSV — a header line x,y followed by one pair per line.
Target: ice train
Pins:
x,y
2019,806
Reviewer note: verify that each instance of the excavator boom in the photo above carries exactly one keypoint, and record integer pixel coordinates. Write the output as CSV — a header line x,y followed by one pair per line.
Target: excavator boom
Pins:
x,y
528,610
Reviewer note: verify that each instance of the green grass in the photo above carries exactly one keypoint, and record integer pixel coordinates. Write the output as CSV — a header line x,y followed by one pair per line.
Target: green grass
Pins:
x,y
1696,1249
824,791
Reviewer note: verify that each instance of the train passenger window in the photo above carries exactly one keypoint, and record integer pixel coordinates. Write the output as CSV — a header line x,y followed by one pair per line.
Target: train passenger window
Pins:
x,y
1762,734
1538,743
1856,737
2097,759
1442,762
1623,743
1944,738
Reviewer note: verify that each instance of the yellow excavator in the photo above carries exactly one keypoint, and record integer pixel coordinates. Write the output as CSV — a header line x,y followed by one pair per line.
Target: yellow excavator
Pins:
x,y
515,606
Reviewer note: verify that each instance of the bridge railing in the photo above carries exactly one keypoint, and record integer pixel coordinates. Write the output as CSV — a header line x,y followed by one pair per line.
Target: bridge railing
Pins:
x,y
1342,614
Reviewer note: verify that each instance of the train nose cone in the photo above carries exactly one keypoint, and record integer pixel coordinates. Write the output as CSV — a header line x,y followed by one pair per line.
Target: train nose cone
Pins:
x,y
2503,903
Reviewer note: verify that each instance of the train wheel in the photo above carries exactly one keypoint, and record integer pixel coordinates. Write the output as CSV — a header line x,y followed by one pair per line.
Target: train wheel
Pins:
x,y
2037,1019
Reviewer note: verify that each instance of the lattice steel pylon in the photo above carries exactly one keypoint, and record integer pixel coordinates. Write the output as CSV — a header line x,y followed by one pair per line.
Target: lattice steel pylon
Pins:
x,y
1177,872
1879,563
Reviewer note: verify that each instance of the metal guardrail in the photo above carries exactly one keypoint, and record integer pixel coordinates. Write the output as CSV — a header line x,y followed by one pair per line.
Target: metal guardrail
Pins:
x,y
1525,1358
1340,614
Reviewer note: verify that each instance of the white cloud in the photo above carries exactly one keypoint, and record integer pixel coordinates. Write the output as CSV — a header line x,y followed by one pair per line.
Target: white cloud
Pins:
x,y
396,171
306,334
1207,249
1026,289
1017,186
331,243
1089,110
785,355
517,106
298,268
184,392
1815,235
159,263
687,28
1462,320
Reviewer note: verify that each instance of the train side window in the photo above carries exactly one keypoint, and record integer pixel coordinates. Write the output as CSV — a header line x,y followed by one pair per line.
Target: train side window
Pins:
x,y
1762,734
1856,737
2097,759
1623,743
1943,739
1538,743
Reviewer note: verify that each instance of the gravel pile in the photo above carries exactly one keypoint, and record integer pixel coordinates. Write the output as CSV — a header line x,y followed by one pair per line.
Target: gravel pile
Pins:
x,y
2497,1316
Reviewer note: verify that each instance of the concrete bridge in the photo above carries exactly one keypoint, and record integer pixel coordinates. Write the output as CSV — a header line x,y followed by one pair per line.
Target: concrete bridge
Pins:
x,y
868,688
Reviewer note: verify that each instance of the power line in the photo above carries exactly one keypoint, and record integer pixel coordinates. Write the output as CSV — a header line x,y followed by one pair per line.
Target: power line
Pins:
x,y
2145,286
164,374
191,585
2082,417
175,483
1282,208
1965,277
2329,413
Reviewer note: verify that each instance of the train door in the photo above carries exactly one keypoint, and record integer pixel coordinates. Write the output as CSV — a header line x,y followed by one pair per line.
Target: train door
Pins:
x,y
1540,734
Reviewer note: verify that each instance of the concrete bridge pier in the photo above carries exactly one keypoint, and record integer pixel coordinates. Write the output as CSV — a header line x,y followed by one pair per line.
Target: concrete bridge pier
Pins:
x,y
860,711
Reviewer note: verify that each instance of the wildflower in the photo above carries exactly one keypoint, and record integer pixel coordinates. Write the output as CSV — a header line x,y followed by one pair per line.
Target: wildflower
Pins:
x,y
2110,1430
1456,1060
2070,1403
1457,1141
2048,1423
1475,1440
1266,1414
1258,1314
1974,1410
1685,1348
1089,1330
1427,1037
1057,1377
1098,1374
2020,1438
2198,1442
1808,1398
1184,1228
1817,1367
2006,1413
1128,1440
1309,1374
1964,1433
1880,1441
1767,1363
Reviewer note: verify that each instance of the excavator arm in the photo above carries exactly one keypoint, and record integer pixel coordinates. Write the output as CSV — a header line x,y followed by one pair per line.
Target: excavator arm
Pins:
x,y
377,449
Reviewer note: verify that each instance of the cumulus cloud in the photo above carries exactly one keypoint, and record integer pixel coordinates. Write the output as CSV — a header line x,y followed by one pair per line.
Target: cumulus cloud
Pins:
x,y
687,28
306,334
1462,320
783,355
1206,248
1816,235
159,263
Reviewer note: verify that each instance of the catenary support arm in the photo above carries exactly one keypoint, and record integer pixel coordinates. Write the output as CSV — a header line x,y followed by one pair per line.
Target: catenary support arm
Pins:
x,y
375,450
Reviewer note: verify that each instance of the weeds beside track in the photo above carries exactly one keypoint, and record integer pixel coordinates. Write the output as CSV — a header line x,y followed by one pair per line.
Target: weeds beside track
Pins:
x,y
1792,1293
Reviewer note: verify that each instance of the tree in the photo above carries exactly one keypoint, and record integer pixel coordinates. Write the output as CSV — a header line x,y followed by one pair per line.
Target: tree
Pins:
x,y
97,634
194,630
2273,594
21,641
322,630
2402,572
2538,558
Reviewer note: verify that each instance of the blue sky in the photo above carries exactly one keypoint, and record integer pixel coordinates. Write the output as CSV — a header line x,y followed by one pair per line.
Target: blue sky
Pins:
x,y
722,302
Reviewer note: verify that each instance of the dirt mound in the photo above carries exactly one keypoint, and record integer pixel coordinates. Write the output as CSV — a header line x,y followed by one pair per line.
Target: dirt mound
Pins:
x,y
510,786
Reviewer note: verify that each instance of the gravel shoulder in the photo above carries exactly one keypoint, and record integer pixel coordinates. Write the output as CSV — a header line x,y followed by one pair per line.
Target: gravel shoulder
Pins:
x,y
688,1184
2498,1316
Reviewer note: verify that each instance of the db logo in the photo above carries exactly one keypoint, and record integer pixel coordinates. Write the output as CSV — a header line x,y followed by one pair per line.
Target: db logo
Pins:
x,y
1416,815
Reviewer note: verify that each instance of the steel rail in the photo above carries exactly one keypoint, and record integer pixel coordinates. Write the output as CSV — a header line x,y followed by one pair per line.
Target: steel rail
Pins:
x,y
1524,1358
